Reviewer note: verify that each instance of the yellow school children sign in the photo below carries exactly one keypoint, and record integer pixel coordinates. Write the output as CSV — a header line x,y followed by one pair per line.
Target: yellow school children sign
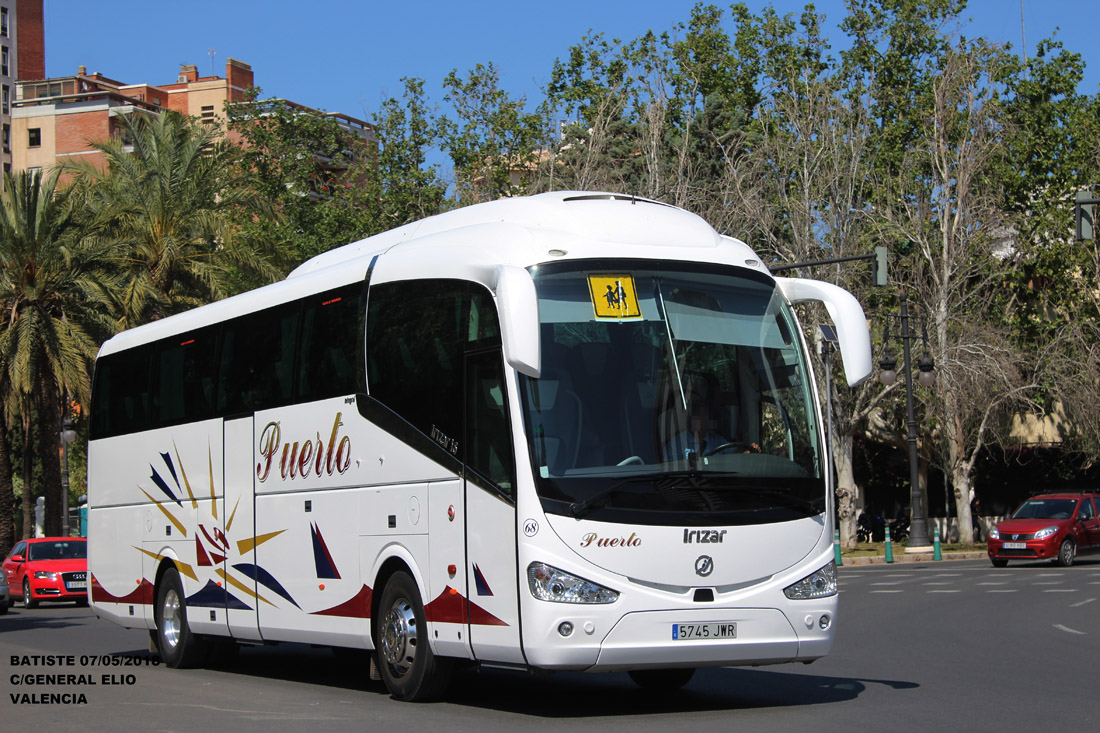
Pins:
x,y
614,296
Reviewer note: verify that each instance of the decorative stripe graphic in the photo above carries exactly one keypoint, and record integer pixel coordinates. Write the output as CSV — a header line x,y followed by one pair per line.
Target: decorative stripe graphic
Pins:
x,y
172,519
156,479
322,558
213,595
183,567
358,606
143,594
241,586
483,588
186,483
450,607
201,558
264,578
246,546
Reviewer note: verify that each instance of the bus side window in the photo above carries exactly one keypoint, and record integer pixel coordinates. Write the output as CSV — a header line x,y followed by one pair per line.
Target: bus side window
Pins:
x,y
257,354
330,345
121,395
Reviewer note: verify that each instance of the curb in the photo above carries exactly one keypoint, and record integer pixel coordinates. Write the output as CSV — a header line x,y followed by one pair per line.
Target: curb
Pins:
x,y
901,557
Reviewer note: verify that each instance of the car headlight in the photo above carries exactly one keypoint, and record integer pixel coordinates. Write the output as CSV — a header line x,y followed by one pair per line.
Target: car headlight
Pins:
x,y
1045,532
548,583
44,575
994,534
819,584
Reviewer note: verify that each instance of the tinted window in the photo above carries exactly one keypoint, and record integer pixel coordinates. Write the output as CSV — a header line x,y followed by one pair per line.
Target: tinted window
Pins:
x,y
330,361
418,333
257,361
120,397
185,378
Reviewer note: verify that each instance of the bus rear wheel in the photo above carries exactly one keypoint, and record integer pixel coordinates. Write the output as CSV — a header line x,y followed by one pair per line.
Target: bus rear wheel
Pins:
x,y
409,668
178,647
665,680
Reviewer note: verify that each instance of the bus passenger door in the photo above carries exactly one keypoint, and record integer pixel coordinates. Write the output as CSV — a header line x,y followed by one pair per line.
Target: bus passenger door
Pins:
x,y
239,525
492,578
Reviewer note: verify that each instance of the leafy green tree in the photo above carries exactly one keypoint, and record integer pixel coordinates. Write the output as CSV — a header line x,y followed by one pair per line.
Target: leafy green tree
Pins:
x,y
404,187
494,143
56,287
167,197
310,168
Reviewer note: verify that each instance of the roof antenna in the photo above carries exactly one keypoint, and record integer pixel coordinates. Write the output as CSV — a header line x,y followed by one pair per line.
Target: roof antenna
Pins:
x,y
211,53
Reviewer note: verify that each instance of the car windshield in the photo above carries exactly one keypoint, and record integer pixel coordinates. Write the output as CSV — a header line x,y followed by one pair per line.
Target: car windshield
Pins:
x,y
1046,509
60,550
668,392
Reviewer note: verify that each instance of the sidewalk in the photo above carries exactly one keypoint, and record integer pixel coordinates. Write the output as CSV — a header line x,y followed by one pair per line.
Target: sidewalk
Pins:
x,y
900,557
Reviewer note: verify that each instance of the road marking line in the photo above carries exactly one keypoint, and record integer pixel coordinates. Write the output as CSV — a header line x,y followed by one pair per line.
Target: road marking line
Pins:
x,y
1060,590
1002,582
944,591
1006,590
888,591
1069,630
1081,603
892,582
932,582
1051,582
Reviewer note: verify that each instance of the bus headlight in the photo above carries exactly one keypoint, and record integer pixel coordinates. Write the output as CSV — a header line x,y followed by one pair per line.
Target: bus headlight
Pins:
x,y
550,584
819,584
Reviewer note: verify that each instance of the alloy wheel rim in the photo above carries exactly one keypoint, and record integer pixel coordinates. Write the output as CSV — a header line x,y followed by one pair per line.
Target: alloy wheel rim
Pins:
x,y
171,618
26,592
399,638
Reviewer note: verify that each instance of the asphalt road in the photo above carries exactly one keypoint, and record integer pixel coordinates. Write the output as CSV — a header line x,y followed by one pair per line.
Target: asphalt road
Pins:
x,y
949,646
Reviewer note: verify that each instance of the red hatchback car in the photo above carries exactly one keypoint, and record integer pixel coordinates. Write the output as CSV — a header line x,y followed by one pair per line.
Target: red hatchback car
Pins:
x,y
1048,526
48,569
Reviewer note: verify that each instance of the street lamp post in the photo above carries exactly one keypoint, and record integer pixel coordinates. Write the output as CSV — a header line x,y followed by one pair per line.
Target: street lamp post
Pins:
x,y
918,528
68,435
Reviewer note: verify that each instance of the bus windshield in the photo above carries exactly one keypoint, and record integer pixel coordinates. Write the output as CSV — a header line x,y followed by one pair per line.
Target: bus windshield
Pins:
x,y
670,395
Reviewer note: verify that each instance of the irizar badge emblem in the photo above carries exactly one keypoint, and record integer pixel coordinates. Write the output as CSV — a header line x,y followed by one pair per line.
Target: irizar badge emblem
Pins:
x,y
704,566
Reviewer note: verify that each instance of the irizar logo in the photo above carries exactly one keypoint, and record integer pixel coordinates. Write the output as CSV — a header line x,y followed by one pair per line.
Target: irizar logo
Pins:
x,y
704,536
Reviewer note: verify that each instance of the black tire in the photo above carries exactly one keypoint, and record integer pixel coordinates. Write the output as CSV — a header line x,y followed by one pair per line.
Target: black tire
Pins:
x,y
409,668
998,562
661,680
3,608
1067,553
28,599
178,647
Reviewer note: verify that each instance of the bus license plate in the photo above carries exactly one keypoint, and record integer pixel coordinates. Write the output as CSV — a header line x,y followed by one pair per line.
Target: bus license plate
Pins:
x,y
683,632
1015,545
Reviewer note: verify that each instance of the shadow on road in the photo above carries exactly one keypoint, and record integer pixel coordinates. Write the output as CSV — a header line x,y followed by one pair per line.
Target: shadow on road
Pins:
x,y
565,695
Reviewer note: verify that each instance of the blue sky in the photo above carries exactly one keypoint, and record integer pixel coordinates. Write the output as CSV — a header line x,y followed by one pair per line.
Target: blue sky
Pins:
x,y
347,55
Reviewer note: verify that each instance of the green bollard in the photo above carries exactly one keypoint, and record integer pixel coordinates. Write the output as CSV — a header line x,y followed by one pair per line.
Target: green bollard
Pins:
x,y
889,547
836,547
936,554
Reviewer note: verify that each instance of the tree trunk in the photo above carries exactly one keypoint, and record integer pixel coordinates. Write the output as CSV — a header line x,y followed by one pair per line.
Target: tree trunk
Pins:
x,y
847,491
28,474
964,493
7,491
49,430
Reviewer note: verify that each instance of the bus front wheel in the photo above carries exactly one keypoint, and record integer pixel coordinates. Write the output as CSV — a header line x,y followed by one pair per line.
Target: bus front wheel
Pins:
x,y
409,668
178,647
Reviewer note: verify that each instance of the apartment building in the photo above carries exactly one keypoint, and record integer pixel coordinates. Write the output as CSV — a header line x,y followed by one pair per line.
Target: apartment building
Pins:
x,y
22,56
61,117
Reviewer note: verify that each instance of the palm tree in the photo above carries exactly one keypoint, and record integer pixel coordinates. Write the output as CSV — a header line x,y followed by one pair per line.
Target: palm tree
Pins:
x,y
167,196
57,295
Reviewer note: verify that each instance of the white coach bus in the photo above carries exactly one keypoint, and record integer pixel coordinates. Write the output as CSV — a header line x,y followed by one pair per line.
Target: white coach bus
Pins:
x,y
576,431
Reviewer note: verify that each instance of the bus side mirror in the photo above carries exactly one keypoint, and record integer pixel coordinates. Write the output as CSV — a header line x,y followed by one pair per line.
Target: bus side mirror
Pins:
x,y
852,332
518,306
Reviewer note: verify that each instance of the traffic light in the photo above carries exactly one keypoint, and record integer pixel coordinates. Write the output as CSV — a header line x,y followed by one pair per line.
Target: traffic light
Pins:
x,y
1084,210
878,266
